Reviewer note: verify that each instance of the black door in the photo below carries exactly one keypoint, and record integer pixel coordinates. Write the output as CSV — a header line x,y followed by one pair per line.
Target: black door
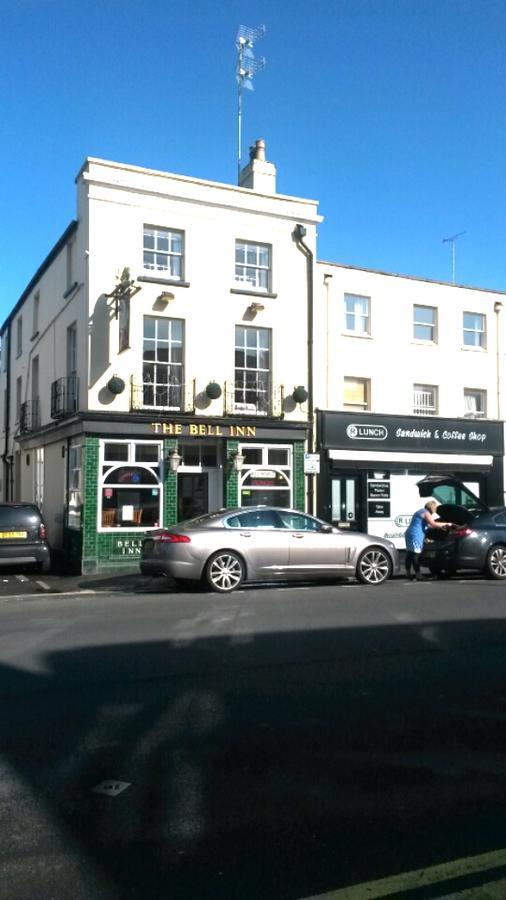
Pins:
x,y
192,495
346,502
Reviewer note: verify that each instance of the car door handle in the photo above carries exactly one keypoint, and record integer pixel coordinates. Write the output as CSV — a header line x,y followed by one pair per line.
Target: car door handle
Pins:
x,y
298,536
245,533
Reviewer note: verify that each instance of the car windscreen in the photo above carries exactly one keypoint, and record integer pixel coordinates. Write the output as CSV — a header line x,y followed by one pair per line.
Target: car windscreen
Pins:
x,y
18,516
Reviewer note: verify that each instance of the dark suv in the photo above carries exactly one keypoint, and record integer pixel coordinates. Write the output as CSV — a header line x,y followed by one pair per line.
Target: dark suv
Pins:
x,y
23,536
478,540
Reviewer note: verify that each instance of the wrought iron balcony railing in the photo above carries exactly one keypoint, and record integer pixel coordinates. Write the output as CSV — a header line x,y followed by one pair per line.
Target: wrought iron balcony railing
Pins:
x,y
29,416
64,397
164,397
253,398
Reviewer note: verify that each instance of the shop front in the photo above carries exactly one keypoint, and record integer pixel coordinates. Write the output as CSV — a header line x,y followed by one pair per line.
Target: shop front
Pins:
x,y
370,466
160,473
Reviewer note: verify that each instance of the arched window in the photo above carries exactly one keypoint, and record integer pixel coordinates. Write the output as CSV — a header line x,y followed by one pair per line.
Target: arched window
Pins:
x,y
130,485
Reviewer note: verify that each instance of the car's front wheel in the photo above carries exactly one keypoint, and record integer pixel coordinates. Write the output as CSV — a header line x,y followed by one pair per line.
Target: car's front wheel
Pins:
x,y
224,572
374,566
496,563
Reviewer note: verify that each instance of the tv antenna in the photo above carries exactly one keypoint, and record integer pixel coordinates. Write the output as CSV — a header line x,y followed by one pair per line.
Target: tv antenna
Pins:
x,y
451,240
247,67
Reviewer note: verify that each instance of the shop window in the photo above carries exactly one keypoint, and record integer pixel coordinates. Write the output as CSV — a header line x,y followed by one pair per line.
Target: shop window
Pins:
x,y
357,392
263,482
199,456
425,400
475,403
130,485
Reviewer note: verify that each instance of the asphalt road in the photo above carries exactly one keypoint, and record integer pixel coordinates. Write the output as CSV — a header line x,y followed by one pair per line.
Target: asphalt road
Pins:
x,y
277,743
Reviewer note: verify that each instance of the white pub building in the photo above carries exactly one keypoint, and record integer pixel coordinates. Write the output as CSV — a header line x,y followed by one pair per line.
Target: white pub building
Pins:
x,y
181,349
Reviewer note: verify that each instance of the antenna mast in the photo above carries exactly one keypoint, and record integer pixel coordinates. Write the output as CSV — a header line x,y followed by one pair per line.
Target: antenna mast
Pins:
x,y
451,240
247,66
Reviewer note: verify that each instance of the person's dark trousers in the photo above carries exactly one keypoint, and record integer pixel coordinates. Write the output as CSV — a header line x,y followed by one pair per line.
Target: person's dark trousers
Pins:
x,y
412,559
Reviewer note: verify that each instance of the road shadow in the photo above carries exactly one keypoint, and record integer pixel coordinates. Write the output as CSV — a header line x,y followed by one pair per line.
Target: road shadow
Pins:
x,y
274,765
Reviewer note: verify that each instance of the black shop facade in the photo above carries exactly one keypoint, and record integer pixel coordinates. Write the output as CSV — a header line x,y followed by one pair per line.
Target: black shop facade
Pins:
x,y
370,465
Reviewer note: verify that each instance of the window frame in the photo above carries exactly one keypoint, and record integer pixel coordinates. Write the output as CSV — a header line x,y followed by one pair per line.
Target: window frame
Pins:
x,y
426,409
263,385
19,337
358,407
171,255
255,267
477,332
285,470
107,468
170,387
433,326
357,316
481,394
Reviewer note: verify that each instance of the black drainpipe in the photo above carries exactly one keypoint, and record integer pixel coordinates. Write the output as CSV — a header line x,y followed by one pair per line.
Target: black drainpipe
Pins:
x,y
299,234
7,490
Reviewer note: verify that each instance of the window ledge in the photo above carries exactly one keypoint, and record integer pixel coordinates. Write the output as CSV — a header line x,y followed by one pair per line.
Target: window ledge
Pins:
x,y
153,279
253,293
422,343
357,334
474,349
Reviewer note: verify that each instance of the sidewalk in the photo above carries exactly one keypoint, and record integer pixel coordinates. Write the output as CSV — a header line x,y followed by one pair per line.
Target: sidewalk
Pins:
x,y
18,583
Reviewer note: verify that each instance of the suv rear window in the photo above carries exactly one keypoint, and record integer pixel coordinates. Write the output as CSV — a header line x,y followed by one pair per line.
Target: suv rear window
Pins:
x,y
21,516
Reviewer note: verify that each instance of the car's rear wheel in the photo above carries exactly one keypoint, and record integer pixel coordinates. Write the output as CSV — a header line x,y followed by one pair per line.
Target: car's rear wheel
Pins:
x,y
496,562
44,567
374,566
224,572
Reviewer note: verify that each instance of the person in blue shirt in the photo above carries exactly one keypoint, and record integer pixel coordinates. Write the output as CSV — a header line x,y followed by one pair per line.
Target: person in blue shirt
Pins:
x,y
420,523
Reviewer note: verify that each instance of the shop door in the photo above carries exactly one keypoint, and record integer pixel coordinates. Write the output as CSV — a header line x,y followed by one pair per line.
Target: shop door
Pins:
x,y
345,497
192,495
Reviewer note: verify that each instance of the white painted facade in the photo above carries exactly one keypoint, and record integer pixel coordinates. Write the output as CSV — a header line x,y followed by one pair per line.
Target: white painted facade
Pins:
x,y
389,355
71,339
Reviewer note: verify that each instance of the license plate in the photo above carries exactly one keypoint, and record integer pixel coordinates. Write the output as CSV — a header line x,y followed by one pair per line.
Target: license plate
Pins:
x,y
13,534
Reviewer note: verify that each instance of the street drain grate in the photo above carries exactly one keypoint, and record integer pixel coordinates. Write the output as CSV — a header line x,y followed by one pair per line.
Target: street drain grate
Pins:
x,y
111,788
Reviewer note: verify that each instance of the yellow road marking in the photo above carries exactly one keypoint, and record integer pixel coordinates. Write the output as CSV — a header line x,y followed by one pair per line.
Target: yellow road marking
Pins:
x,y
371,890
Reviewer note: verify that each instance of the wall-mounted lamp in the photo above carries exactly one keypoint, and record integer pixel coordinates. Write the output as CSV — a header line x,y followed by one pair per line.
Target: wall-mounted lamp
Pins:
x,y
300,394
174,460
256,307
238,461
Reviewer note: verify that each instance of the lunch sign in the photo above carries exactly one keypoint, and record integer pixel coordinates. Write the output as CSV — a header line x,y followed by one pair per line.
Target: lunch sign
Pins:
x,y
343,431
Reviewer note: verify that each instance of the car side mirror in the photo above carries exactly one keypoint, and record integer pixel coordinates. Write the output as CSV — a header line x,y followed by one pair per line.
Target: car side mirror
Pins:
x,y
327,529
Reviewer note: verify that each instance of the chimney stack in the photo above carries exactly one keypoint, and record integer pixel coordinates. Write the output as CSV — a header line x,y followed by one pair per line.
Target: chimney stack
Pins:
x,y
259,175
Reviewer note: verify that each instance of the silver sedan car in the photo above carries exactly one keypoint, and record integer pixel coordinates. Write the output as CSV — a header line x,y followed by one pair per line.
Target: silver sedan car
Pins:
x,y
263,543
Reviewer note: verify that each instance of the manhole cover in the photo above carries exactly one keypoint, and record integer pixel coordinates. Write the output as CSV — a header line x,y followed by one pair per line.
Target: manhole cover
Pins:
x,y
111,787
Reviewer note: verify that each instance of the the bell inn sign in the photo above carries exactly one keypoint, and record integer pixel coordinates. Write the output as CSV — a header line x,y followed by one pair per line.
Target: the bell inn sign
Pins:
x,y
203,429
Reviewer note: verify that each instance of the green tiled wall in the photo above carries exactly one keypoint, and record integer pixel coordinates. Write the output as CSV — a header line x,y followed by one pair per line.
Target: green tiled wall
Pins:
x,y
103,552
299,480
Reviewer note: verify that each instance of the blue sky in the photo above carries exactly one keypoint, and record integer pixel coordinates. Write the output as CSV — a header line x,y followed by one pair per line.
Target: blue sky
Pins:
x,y
390,112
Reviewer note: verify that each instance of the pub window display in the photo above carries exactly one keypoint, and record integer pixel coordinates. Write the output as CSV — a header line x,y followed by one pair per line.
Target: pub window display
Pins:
x,y
130,490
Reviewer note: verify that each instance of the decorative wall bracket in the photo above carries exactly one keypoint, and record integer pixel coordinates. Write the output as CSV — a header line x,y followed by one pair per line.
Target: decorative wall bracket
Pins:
x,y
124,291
